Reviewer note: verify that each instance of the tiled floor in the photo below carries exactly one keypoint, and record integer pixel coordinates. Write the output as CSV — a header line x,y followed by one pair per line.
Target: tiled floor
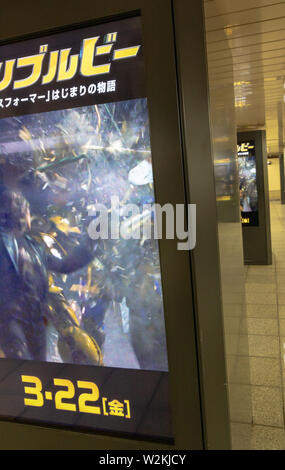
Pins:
x,y
265,301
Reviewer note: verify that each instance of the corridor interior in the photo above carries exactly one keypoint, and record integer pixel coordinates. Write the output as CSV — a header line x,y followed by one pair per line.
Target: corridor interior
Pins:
x,y
245,42
265,308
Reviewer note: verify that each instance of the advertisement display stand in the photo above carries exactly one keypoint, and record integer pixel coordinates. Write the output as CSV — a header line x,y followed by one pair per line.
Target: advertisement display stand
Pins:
x,y
282,178
254,197
99,339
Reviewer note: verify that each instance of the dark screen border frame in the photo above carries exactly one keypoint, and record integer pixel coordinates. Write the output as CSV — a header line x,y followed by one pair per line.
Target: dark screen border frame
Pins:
x,y
159,52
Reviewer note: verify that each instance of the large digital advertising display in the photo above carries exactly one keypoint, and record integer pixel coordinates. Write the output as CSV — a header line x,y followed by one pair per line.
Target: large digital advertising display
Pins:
x,y
247,183
82,331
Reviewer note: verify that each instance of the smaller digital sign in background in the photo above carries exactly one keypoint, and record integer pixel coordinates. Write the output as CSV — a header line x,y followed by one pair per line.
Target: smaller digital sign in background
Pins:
x,y
247,183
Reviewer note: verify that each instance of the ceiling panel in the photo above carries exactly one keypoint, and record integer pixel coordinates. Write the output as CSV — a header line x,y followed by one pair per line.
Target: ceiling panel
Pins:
x,y
246,50
251,17
214,8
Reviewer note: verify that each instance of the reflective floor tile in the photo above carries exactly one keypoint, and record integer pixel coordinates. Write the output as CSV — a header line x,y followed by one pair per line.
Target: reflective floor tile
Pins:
x,y
265,371
267,406
261,311
263,346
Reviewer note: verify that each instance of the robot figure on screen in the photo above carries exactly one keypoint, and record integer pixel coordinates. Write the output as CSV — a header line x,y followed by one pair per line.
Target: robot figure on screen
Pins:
x,y
28,301
65,296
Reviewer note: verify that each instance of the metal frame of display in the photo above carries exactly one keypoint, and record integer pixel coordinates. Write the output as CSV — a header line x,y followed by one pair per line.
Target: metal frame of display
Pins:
x,y
179,126
257,240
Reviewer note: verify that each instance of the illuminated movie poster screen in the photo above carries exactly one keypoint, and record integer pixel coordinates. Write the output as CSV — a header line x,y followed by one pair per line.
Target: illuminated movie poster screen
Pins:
x,y
82,333
247,183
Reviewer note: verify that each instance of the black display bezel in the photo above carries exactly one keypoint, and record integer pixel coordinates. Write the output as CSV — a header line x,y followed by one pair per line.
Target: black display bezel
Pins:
x,y
175,266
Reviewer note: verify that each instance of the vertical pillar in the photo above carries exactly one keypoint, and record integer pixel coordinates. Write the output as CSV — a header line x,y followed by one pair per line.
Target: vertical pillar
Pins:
x,y
282,179
254,197
281,151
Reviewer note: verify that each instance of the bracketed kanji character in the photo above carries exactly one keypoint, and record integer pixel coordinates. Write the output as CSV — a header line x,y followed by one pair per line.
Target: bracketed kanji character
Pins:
x,y
116,408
